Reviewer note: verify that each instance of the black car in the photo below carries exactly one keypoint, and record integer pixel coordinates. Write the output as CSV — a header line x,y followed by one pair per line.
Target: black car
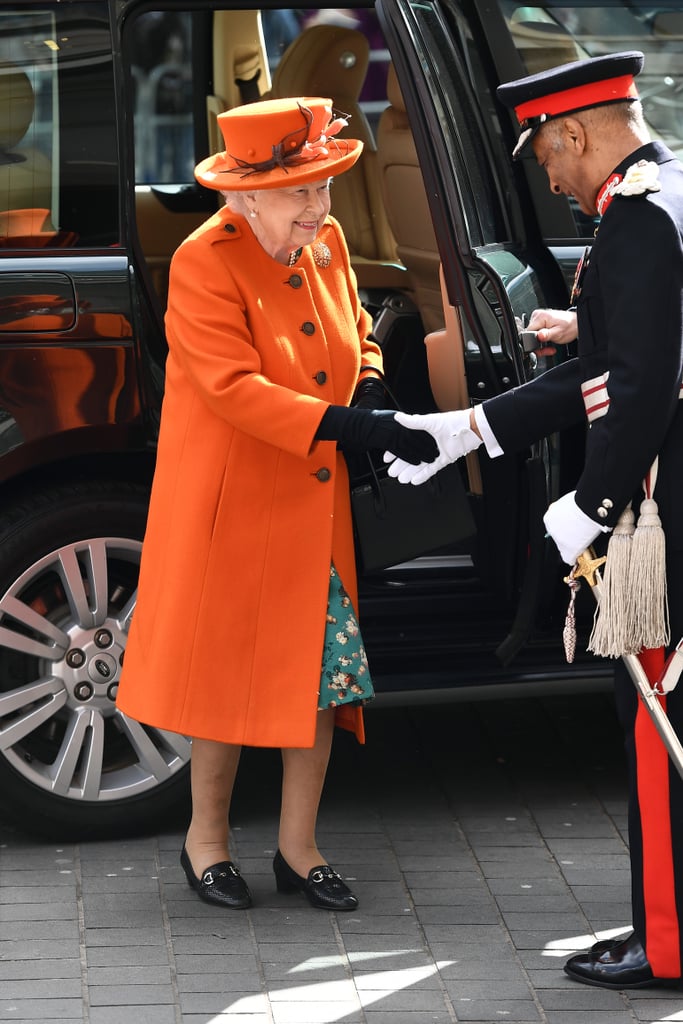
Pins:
x,y
105,108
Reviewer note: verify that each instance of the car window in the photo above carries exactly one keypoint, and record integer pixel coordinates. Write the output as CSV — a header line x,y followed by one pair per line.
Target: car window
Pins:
x,y
58,150
547,34
168,85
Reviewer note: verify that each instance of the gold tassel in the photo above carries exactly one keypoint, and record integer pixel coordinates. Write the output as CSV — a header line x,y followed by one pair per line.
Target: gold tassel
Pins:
x,y
610,635
648,605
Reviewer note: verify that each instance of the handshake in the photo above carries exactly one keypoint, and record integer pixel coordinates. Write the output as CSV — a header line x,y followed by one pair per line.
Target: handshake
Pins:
x,y
569,526
454,437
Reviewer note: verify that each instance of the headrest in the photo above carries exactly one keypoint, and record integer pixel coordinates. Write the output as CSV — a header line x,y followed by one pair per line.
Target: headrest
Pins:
x,y
325,60
16,105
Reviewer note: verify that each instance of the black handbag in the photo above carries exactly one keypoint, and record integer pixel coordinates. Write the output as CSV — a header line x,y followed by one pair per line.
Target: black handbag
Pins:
x,y
394,522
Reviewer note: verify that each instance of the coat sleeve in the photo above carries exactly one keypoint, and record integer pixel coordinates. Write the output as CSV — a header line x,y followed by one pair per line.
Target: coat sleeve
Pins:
x,y
525,414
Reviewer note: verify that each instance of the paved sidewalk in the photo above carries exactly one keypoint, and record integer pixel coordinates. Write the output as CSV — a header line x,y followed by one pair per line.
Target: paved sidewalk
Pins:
x,y
485,842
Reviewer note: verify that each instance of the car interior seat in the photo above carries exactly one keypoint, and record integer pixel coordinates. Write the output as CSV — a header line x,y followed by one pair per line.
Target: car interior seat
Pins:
x,y
25,171
332,60
240,66
405,201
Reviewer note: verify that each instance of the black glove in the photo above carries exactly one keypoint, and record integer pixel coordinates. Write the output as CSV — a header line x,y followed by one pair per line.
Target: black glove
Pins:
x,y
362,429
370,393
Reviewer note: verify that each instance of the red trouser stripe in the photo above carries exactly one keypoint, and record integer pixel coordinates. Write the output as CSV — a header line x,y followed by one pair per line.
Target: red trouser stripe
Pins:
x,y
662,940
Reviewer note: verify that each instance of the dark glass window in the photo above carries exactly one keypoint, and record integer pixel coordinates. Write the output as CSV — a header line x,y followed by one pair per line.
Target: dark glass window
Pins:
x,y
58,148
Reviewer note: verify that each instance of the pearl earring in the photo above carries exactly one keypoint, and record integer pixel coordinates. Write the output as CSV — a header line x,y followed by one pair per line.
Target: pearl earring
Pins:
x,y
252,213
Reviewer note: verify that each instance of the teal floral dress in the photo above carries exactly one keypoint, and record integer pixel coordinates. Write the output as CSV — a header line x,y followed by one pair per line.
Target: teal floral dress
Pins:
x,y
345,678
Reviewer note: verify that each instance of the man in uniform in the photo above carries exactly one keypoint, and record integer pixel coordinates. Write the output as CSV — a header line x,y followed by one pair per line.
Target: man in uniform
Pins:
x,y
585,125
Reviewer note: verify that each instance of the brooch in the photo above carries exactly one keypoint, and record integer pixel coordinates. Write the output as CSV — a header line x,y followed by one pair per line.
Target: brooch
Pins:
x,y
321,254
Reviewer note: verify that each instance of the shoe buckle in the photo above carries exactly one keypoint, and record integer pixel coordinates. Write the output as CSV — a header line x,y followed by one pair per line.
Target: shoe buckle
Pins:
x,y
317,875
208,878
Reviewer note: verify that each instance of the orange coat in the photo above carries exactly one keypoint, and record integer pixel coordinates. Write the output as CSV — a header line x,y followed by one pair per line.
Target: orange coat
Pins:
x,y
247,510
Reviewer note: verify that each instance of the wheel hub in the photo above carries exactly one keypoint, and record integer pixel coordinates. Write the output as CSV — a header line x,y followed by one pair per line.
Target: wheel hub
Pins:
x,y
91,668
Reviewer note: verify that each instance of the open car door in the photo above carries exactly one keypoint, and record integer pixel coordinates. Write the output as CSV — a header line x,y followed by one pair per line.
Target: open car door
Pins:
x,y
484,283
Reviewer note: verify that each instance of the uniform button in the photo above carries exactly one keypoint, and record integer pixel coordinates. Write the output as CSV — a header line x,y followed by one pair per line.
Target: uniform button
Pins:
x,y
602,512
230,228
307,327
295,281
320,377
323,475
607,503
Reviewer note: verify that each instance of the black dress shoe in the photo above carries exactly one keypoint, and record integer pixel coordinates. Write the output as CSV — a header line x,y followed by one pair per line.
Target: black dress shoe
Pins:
x,y
619,965
603,944
323,888
221,884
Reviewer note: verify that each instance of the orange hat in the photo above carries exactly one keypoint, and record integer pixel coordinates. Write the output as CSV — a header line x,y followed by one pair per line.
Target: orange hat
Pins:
x,y
276,143
570,88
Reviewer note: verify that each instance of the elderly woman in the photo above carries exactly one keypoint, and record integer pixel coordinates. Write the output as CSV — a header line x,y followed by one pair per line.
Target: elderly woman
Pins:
x,y
245,630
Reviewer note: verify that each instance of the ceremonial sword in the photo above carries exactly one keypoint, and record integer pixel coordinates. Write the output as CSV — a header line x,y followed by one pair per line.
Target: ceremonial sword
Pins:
x,y
587,567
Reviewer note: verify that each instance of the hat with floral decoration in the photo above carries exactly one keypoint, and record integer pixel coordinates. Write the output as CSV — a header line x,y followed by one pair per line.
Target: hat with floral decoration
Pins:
x,y
278,143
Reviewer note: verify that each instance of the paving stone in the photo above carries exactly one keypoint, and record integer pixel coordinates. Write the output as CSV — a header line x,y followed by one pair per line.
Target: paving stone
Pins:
x,y
156,975
126,956
41,1009
44,988
140,1014
11,969
131,995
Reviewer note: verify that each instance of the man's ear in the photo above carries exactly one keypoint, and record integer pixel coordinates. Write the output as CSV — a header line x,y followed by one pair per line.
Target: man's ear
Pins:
x,y
576,134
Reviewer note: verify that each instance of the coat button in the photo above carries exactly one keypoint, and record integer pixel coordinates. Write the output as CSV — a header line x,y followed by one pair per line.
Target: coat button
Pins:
x,y
323,475
230,228
295,281
320,377
602,512
307,327
607,503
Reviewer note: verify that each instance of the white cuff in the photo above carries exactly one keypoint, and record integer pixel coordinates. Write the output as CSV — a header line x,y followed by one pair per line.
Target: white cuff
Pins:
x,y
571,529
493,449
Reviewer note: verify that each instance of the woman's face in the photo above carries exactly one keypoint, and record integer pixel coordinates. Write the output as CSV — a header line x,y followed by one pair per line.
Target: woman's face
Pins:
x,y
287,218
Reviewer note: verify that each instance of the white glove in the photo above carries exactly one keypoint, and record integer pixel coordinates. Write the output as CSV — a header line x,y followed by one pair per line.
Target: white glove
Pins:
x,y
571,529
452,433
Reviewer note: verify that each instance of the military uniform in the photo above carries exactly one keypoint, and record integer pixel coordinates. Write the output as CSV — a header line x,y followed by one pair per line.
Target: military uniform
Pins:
x,y
630,353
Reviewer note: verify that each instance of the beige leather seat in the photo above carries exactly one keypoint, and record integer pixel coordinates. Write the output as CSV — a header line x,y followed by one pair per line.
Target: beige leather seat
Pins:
x,y
405,202
331,60
25,171
240,66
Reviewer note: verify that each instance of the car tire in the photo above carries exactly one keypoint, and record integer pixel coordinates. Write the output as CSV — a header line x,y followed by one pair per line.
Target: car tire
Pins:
x,y
71,764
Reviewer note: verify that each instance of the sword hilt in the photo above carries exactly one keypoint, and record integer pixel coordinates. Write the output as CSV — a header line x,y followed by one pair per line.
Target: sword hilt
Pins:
x,y
587,566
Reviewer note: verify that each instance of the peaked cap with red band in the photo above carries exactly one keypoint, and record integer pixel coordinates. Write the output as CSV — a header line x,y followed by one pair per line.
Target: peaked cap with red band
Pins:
x,y
594,82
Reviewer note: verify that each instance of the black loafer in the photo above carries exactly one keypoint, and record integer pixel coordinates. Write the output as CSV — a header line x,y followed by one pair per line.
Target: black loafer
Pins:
x,y
619,965
221,884
323,888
